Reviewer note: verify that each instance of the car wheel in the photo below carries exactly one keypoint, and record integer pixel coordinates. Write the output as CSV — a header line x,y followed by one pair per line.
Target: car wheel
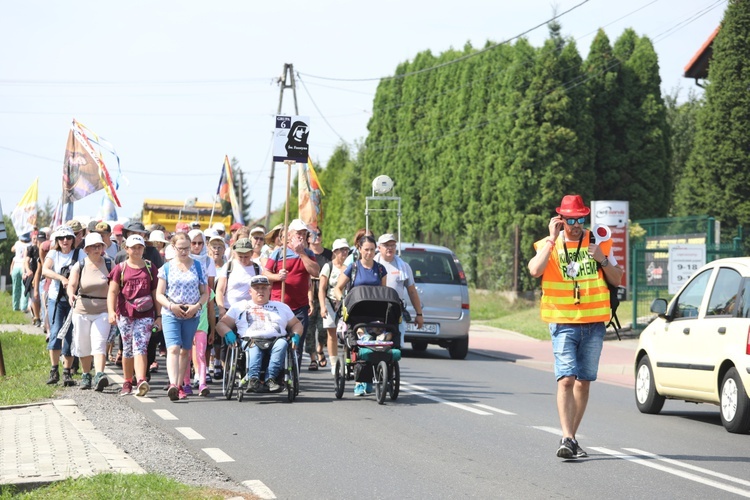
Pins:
x,y
419,346
735,405
458,349
646,397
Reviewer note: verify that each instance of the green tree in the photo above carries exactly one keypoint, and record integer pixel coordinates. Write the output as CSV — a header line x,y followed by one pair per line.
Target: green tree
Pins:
x,y
717,178
682,120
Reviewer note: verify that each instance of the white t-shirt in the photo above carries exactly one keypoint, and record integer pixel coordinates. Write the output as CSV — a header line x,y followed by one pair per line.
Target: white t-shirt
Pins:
x,y
60,260
20,247
266,321
112,250
400,275
238,284
208,264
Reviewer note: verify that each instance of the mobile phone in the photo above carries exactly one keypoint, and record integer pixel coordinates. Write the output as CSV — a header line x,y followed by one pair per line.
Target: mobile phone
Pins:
x,y
560,222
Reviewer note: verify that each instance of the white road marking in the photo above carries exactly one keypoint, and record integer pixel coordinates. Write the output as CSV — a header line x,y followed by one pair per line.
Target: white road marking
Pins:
x,y
417,387
496,410
217,455
144,399
189,433
551,430
449,403
165,415
689,466
650,462
259,489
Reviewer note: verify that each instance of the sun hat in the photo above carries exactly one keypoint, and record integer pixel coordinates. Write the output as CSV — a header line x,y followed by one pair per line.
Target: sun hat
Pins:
x,y
243,245
273,233
93,239
62,232
216,237
259,279
386,238
157,236
339,243
102,227
135,226
572,206
133,240
298,225
74,225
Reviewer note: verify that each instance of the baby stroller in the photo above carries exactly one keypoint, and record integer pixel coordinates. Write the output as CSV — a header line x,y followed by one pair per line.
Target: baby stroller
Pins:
x,y
370,340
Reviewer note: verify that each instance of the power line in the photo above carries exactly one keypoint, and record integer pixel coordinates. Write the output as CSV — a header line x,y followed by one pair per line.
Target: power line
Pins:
x,y
317,108
454,61
126,83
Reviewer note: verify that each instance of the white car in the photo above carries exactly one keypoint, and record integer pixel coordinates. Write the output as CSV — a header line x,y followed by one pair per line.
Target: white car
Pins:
x,y
698,348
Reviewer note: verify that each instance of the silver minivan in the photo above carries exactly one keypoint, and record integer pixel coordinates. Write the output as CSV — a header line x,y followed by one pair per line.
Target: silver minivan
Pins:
x,y
442,287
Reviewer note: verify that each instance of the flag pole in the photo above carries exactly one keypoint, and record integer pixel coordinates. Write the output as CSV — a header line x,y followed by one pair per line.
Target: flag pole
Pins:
x,y
213,207
289,164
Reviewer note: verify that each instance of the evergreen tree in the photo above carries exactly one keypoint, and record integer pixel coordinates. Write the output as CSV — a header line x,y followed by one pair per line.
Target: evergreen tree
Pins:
x,y
682,120
717,177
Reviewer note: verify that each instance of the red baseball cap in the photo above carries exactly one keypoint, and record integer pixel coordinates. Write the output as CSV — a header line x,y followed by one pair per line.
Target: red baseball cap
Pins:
x,y
572,206
235,226
117,230
182,227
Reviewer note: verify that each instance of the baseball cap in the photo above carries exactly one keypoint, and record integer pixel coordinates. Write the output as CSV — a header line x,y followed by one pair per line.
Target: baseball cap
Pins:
x,y
339,243
62,232
195,224
182,227
216,237
157,236
135,226
133,240
92,239
259,280
74,225
235,226
41,236
258,230
386,238
92,226
219,227
102,227
243,245
298,225
25,237
117,230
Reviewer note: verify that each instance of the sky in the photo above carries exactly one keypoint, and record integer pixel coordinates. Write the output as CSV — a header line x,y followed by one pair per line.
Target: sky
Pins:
x,y
176,86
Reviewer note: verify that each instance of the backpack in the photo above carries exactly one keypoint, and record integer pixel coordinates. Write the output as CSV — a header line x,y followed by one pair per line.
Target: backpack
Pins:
x,y
122,273
108,263
230,268
614,303
196,264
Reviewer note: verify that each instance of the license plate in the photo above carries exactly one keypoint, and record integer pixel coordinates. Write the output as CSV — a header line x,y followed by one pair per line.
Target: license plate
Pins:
x,y
427,328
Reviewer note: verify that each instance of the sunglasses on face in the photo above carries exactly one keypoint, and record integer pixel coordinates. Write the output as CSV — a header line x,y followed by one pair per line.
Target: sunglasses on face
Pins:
x,y
67,238
220,233
579,220
199,243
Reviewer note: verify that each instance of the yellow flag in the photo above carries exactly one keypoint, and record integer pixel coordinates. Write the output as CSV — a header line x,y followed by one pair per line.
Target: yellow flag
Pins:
x,y
24,215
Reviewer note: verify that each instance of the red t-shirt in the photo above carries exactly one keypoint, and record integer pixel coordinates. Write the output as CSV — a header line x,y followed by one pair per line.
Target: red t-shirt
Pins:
x,y
297,279
135,283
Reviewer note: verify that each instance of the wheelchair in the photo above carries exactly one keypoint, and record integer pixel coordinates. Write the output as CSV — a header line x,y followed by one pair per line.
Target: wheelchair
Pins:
x,y
235,369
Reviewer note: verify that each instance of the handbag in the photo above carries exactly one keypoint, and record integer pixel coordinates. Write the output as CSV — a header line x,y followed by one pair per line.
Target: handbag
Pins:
x,y
142,304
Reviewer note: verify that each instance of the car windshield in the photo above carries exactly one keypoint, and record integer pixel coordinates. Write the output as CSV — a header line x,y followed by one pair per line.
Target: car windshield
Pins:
x,y
432,267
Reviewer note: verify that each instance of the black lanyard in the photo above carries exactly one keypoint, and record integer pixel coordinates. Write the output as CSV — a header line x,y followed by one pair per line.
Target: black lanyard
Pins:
x,y
578,250
576,289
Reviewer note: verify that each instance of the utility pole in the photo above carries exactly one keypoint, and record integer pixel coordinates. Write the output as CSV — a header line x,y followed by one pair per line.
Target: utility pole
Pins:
x,y
285,81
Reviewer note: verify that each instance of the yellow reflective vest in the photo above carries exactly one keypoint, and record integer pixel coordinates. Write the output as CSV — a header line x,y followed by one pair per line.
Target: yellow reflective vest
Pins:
x,y
558,295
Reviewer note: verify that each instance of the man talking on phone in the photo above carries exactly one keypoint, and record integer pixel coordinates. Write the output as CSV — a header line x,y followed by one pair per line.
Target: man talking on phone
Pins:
x,y
575,272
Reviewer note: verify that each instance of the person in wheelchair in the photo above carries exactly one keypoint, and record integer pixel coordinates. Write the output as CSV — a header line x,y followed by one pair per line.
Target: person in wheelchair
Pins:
x,y
265,324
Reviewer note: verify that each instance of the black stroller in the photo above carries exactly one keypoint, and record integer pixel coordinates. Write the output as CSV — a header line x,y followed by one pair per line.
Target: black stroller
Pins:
x,y
370,340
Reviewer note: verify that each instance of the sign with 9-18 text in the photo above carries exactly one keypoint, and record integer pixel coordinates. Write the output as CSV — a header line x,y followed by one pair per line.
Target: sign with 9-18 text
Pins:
x,y
684,261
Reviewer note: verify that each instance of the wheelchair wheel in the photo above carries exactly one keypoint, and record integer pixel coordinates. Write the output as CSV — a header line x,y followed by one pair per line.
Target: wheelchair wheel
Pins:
x,y
292,377
395,384
339,376
230,371
381,382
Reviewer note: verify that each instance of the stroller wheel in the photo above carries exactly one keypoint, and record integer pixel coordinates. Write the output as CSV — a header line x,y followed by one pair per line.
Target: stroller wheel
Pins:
x,y
395,382
381,381
339,377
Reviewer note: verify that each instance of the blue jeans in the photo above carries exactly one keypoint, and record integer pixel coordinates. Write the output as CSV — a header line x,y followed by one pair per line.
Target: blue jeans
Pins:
x,y
60,313
577,348
275,364
302,315
179,331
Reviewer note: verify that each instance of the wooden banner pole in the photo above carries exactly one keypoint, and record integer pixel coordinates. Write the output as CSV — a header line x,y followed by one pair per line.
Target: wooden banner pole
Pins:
x,y
289,164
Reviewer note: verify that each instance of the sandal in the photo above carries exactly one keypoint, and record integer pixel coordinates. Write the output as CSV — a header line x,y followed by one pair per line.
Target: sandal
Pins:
x,y
322,361
313,366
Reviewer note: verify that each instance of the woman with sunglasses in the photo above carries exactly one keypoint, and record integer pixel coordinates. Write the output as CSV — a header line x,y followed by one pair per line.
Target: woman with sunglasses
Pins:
x,y
182,292
329,276
56,269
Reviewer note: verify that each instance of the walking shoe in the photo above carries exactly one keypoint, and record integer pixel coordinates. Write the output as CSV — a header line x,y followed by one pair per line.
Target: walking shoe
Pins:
x,y
273,386
203,391
54,376
143,388
187,390
209,379
218,373
85,381
181,394
252,384
368,388
173,392
579,453
68,378
100,382
567,448
154,367
127,388
359,389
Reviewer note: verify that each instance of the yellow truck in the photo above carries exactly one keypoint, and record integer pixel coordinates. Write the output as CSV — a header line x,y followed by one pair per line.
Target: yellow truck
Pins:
x,y
169,212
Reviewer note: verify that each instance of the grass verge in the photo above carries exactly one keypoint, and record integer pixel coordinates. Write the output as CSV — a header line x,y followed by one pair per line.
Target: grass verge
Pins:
x,y
114,486
26,369
7,315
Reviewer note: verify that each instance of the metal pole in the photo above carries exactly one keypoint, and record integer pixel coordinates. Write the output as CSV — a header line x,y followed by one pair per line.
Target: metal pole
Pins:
x,y
288,72
289,164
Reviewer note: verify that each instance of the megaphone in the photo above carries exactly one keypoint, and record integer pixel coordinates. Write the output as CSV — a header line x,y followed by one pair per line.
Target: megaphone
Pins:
x,y
602,233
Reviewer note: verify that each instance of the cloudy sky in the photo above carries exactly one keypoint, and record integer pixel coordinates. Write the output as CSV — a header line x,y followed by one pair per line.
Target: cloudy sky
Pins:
x,y
175,86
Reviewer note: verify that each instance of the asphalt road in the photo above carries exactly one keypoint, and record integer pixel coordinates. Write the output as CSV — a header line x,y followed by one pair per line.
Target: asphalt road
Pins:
x,y
480,427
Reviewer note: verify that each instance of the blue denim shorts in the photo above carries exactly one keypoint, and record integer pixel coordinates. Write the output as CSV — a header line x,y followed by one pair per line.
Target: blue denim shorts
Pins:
x,y
179,331
577,348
